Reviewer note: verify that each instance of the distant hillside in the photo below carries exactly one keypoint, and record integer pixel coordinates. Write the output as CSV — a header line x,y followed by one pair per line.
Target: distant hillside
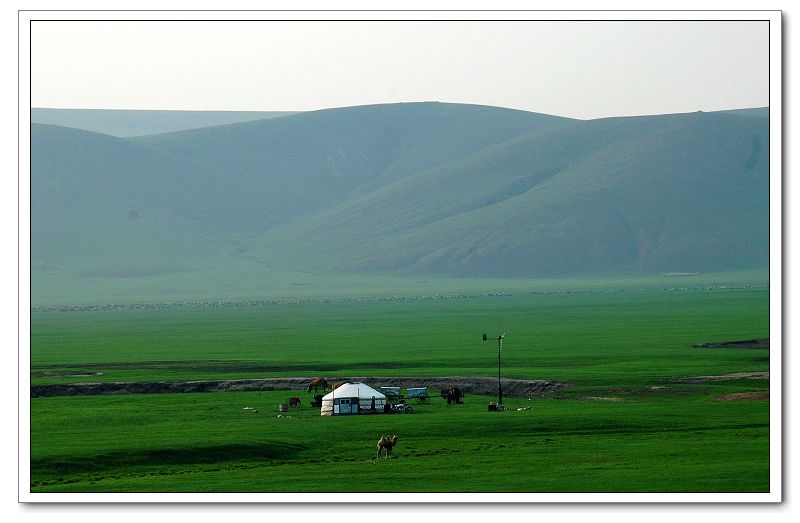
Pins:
x,y
106,206
648,194
125,123
311,161
399,189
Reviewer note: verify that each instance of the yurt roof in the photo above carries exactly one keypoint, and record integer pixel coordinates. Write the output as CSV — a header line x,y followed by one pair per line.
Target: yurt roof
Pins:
x,y
354,390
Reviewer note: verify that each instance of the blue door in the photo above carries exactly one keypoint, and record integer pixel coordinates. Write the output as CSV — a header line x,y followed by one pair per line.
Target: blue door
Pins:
x,y
346,406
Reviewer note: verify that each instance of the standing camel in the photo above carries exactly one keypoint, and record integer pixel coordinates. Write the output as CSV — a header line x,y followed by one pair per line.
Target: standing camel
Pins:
x,y
386,443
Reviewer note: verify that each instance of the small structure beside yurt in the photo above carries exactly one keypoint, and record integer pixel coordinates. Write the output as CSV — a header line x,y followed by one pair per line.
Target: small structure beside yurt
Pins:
x,y
352,398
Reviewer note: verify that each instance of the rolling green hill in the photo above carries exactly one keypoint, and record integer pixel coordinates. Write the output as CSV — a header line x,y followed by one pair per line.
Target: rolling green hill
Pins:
x,y
311,161
677,193
394,190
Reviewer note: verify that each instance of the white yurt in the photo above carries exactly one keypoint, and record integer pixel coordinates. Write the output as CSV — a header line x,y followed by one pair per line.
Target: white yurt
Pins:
x,y
352,398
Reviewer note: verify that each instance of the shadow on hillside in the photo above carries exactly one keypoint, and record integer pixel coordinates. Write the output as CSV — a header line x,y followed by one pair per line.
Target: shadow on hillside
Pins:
x,y
216,454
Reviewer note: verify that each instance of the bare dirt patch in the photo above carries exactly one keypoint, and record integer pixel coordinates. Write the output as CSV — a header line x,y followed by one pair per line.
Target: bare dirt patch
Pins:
x,y
760,343
724,377
469,384
738,396
65,374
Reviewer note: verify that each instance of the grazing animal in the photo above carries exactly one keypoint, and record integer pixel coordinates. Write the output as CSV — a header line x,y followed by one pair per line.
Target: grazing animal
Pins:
x,y
386,443
293,401
317,383
453,395
337,385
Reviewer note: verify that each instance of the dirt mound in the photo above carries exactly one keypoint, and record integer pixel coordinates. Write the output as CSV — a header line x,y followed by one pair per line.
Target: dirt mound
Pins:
x,y
724,377
755,395
761,343
469,384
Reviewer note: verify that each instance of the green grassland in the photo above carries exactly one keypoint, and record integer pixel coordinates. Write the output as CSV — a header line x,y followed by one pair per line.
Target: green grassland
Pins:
x,y
655,434
672,442
583,337
676,442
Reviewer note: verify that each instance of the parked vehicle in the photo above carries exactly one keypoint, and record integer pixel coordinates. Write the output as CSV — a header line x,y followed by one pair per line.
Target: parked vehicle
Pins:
x,y
401,408
419,393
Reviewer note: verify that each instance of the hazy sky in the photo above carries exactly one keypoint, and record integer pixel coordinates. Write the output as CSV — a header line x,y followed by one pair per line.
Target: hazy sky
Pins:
x,y
577,69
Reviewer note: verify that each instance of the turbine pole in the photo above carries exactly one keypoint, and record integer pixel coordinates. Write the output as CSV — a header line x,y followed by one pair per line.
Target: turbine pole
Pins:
x,y
499,350
499,387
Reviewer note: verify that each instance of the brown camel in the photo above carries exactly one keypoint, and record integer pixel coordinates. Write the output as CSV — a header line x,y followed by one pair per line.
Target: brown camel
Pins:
x,y
386,443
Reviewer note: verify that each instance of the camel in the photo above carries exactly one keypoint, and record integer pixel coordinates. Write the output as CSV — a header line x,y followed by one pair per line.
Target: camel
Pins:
x,y
386,443
316,383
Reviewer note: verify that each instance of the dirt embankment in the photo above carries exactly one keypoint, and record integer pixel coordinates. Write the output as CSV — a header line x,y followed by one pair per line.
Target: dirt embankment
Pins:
x,y
761,343
725,377
470,384
740,396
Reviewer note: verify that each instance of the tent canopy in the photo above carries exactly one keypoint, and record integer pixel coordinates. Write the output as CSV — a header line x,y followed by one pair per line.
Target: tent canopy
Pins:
x,y
354,390
352,398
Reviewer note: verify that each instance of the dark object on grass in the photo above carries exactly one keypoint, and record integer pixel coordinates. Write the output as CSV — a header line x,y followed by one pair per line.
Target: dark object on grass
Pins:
x,y
453,395
760,343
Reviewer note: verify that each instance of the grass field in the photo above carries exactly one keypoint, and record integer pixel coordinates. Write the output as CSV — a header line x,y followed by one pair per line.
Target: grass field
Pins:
x,y
671,442
650,434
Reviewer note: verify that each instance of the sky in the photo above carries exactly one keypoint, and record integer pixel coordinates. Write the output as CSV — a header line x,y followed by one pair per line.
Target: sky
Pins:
x,y
575,69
